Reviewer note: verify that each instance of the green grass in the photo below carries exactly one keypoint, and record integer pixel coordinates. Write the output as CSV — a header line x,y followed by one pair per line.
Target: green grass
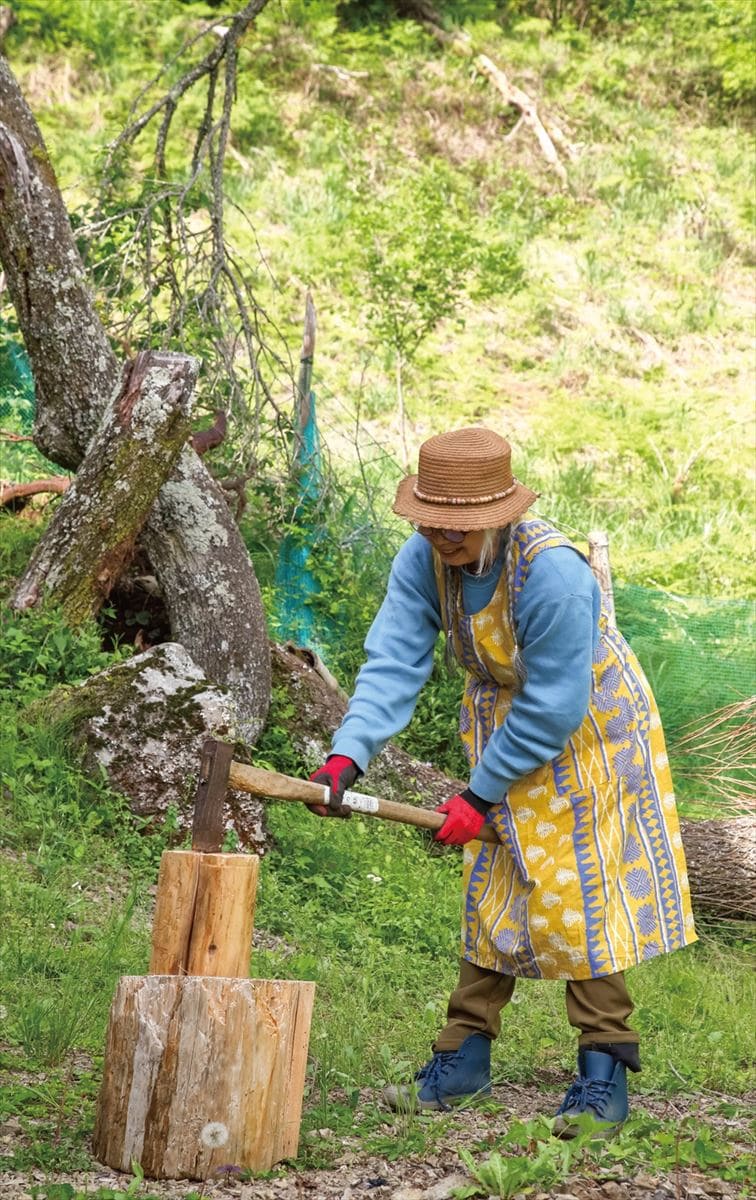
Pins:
x,y
370,913
608,328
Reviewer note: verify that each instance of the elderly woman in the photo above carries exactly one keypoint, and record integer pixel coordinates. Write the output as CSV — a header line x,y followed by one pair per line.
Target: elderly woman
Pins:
x,y
567,764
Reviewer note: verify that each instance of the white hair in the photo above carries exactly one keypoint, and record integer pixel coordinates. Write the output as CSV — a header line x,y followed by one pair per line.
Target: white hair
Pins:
x,y
489,550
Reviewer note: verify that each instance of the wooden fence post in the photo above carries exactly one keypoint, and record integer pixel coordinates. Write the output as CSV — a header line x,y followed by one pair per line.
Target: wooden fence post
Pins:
x,y
598,557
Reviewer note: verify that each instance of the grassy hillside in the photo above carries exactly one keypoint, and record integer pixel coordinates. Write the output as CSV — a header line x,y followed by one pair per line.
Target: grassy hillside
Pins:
x,y
605,326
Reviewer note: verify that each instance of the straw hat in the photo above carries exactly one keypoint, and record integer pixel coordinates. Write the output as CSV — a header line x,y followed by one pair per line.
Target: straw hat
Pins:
x,y
464,481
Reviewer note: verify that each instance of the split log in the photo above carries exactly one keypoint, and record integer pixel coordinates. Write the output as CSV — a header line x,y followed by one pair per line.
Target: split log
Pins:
x,y
193,543
203,1072
204,914
92,535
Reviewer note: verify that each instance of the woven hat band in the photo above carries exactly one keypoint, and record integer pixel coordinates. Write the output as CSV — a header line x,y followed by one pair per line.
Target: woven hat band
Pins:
x,y
464,499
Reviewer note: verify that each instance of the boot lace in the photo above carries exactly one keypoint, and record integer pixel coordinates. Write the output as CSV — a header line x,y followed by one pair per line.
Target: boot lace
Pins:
x,y
584,1094
432,1075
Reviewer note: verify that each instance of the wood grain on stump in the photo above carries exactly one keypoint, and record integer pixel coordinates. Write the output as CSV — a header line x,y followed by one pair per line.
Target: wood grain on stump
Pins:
x,y
202,1073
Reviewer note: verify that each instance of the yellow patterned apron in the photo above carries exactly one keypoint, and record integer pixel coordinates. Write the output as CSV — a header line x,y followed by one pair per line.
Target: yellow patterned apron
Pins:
x,y
590,876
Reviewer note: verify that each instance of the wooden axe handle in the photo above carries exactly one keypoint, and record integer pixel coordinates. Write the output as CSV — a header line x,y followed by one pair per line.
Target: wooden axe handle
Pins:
x,y
284,787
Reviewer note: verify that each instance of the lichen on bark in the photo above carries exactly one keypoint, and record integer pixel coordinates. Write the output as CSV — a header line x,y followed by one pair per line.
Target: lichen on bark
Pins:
x,y
93,532
191,539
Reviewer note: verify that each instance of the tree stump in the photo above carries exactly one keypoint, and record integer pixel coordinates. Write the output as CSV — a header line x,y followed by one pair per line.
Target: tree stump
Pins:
x,y
204,1068
201,1073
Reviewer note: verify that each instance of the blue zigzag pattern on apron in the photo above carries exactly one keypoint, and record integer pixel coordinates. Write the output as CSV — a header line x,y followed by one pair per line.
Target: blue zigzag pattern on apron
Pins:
x,y
501,819
602,876
478,873
590,884
650,805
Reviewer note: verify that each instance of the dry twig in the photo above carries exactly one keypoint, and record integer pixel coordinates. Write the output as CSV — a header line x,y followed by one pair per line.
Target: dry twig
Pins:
x,y
719,751
7,436
461,43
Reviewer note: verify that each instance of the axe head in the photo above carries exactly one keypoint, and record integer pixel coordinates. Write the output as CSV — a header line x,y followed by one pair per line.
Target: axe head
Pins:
x,y
207,826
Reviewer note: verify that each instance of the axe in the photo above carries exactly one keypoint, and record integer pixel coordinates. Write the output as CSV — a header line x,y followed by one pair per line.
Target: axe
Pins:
x,y
218,771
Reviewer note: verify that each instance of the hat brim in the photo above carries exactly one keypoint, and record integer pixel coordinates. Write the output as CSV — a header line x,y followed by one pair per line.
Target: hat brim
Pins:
x,y
490,515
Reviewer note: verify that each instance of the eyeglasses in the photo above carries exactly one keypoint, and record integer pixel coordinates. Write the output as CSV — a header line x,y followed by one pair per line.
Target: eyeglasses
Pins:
x,y
450,535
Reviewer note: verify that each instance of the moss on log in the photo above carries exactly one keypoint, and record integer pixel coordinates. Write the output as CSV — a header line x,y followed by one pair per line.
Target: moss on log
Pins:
x,y
92,535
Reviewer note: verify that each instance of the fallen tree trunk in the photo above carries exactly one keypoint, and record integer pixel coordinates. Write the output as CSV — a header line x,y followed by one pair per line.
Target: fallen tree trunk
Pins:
x,y
92,535
721,857
192,540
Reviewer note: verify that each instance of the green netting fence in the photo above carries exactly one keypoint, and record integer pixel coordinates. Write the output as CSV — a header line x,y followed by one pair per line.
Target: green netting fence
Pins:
x,y
294,581
699,654
16,383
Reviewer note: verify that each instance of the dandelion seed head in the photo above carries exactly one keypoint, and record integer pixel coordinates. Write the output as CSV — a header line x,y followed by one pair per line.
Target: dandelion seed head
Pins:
x,y
214,1134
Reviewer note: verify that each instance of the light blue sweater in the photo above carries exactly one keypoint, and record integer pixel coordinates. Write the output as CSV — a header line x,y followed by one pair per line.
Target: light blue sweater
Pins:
x,y
557,629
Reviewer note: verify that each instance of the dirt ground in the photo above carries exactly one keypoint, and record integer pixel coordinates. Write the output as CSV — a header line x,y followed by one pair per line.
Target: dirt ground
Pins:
x,y
355,1175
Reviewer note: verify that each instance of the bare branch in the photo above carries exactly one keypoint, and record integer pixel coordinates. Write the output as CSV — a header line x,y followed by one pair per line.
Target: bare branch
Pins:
x,y
9,492
239,25
181,265
7,436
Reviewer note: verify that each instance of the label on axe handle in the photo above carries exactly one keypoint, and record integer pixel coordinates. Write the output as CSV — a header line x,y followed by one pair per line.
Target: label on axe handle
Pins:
x,y
359,802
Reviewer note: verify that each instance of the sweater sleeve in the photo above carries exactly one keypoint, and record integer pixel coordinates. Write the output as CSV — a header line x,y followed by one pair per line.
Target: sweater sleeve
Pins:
x,y
399,648
557,629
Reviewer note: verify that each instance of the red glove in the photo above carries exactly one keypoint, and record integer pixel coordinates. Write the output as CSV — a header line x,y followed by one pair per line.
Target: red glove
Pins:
x,y
463,822
338,773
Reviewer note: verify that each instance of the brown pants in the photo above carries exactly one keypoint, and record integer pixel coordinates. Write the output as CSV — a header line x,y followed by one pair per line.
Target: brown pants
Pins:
x,y
599,1008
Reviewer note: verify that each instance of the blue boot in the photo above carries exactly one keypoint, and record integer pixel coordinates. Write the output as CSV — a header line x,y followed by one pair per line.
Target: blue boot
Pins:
x,y
600,1092
451,1077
